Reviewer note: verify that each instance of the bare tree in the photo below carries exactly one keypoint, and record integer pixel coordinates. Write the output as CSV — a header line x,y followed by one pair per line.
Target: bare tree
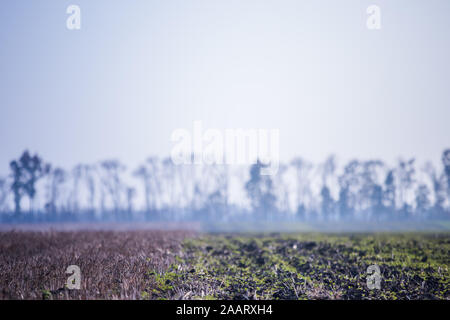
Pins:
x,y
328,168
4,190
282,189
446,173
216,202
423,203
260,192
151,177
110,175
304,194
77,174
131,194
405,179
389,192
143,173
438,189
57,177
89,175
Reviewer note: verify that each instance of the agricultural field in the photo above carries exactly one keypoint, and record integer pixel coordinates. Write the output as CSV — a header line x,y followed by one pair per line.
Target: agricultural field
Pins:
x,y
190,265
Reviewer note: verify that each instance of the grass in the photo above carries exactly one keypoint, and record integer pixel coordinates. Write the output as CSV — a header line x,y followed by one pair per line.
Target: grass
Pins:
x,y
310,266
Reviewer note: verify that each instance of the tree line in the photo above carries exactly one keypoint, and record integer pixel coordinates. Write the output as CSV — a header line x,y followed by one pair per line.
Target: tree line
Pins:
x,y
367,190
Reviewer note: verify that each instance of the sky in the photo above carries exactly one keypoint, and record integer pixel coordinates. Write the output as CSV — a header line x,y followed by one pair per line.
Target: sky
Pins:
x,y
138,70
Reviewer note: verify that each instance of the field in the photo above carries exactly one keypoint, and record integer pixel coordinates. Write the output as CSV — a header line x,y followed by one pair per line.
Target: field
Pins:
x,y
188,265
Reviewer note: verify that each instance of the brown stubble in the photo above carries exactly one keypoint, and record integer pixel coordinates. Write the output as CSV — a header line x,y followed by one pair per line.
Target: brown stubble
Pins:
x,y
114,264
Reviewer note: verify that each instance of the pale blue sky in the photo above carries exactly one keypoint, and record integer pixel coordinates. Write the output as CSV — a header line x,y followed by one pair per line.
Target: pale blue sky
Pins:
x,y
137,70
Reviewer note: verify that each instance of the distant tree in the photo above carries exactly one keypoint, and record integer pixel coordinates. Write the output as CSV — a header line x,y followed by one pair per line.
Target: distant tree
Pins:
x,y
131,194
26,172
446,174
371,193
389,192
89,173
405,172
347,197
438,190
327,202
57,177
83,178
143,173
77,174
222,179
84,175
423,202
377,201
111,171
217,201
328,169
169,176
282,190
260,191
18,185
304,194
4,189
215,205
301,212
151,175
